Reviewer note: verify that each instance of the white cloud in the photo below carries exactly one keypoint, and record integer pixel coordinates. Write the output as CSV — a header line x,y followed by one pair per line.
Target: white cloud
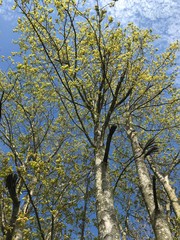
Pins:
x,y
160,15
6,10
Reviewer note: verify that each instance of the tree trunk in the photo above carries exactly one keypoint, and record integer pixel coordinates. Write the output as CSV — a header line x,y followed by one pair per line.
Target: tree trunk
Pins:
x,y
15,210
168,188
157,218
18,235
107,221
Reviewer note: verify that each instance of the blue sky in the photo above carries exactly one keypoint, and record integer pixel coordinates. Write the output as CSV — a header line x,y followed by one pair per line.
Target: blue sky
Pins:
x,y
162,16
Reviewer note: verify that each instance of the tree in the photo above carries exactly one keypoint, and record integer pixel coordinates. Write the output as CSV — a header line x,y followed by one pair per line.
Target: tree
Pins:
x,y
104,79
35,140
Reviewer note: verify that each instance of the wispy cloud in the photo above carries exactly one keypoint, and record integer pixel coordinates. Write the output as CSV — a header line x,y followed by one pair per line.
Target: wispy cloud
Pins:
x,y
6,10
160,15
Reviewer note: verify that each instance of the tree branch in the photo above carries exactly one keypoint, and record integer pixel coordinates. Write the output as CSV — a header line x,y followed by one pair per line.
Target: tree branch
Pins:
x,y
108,142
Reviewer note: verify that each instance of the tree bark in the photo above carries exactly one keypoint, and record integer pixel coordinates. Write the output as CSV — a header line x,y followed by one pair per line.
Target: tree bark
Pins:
x,y
18,235
108,225
168,188
11,184
15,210
157,218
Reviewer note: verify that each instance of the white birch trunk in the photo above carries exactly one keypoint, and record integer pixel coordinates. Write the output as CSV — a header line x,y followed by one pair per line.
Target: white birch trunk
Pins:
x,y
18,235
157,218
107,222
168,188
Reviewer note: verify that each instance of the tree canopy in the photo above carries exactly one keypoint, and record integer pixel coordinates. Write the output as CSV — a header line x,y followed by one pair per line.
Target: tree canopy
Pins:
x,y
89,128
